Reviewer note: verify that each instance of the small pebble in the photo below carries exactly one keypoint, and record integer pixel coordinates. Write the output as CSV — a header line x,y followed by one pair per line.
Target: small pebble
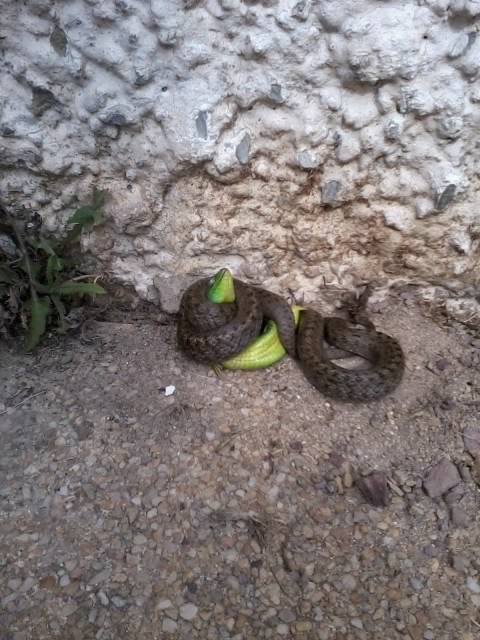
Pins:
x,y
188,611
349,582
459,563
459,517
442,477
118,602
287,615
416,584
473,585
68,609
64,581
169,625
374,488
348,480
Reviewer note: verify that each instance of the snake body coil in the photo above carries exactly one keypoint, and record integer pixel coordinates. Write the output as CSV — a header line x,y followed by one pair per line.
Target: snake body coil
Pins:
x,y
212,333
354,385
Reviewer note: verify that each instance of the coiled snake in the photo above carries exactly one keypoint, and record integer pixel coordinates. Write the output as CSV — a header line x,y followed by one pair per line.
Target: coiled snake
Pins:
x,y
220,322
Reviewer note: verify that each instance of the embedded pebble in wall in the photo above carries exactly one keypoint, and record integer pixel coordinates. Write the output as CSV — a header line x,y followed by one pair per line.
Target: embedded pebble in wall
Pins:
x,y
243,150
276,94
201,124
59,41
393,129
307,160
118,115
330,191
445,197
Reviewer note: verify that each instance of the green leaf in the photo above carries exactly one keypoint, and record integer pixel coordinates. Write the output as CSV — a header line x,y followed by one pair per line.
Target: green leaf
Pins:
x,y
89,215
48,246
84,216
54,266
77,288
39,308
61,311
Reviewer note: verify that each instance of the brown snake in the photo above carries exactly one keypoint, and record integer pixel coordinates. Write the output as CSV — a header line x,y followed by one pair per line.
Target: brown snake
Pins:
x,y
212,333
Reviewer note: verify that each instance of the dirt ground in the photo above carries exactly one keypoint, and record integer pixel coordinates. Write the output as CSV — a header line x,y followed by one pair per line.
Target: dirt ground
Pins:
x,y
229,509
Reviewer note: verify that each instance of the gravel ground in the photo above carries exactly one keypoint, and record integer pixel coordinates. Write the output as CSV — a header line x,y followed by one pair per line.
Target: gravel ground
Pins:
x,y
231,509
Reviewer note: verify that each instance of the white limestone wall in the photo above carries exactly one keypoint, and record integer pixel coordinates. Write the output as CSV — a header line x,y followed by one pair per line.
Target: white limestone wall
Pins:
x,y
299,142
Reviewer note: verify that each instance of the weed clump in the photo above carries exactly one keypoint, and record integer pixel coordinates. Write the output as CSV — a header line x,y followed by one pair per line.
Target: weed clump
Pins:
x,y
39,277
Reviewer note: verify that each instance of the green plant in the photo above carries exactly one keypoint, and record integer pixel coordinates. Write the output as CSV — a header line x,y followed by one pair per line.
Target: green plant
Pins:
x,y
38,275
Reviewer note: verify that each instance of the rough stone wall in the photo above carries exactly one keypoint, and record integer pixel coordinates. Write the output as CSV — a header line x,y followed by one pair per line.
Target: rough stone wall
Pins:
x,y
297,142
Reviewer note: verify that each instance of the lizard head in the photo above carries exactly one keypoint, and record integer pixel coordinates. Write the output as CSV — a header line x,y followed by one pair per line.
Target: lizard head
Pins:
x,y
221,287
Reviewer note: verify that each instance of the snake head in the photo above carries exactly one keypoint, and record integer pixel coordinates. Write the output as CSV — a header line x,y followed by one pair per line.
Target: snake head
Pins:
x,y
221,287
